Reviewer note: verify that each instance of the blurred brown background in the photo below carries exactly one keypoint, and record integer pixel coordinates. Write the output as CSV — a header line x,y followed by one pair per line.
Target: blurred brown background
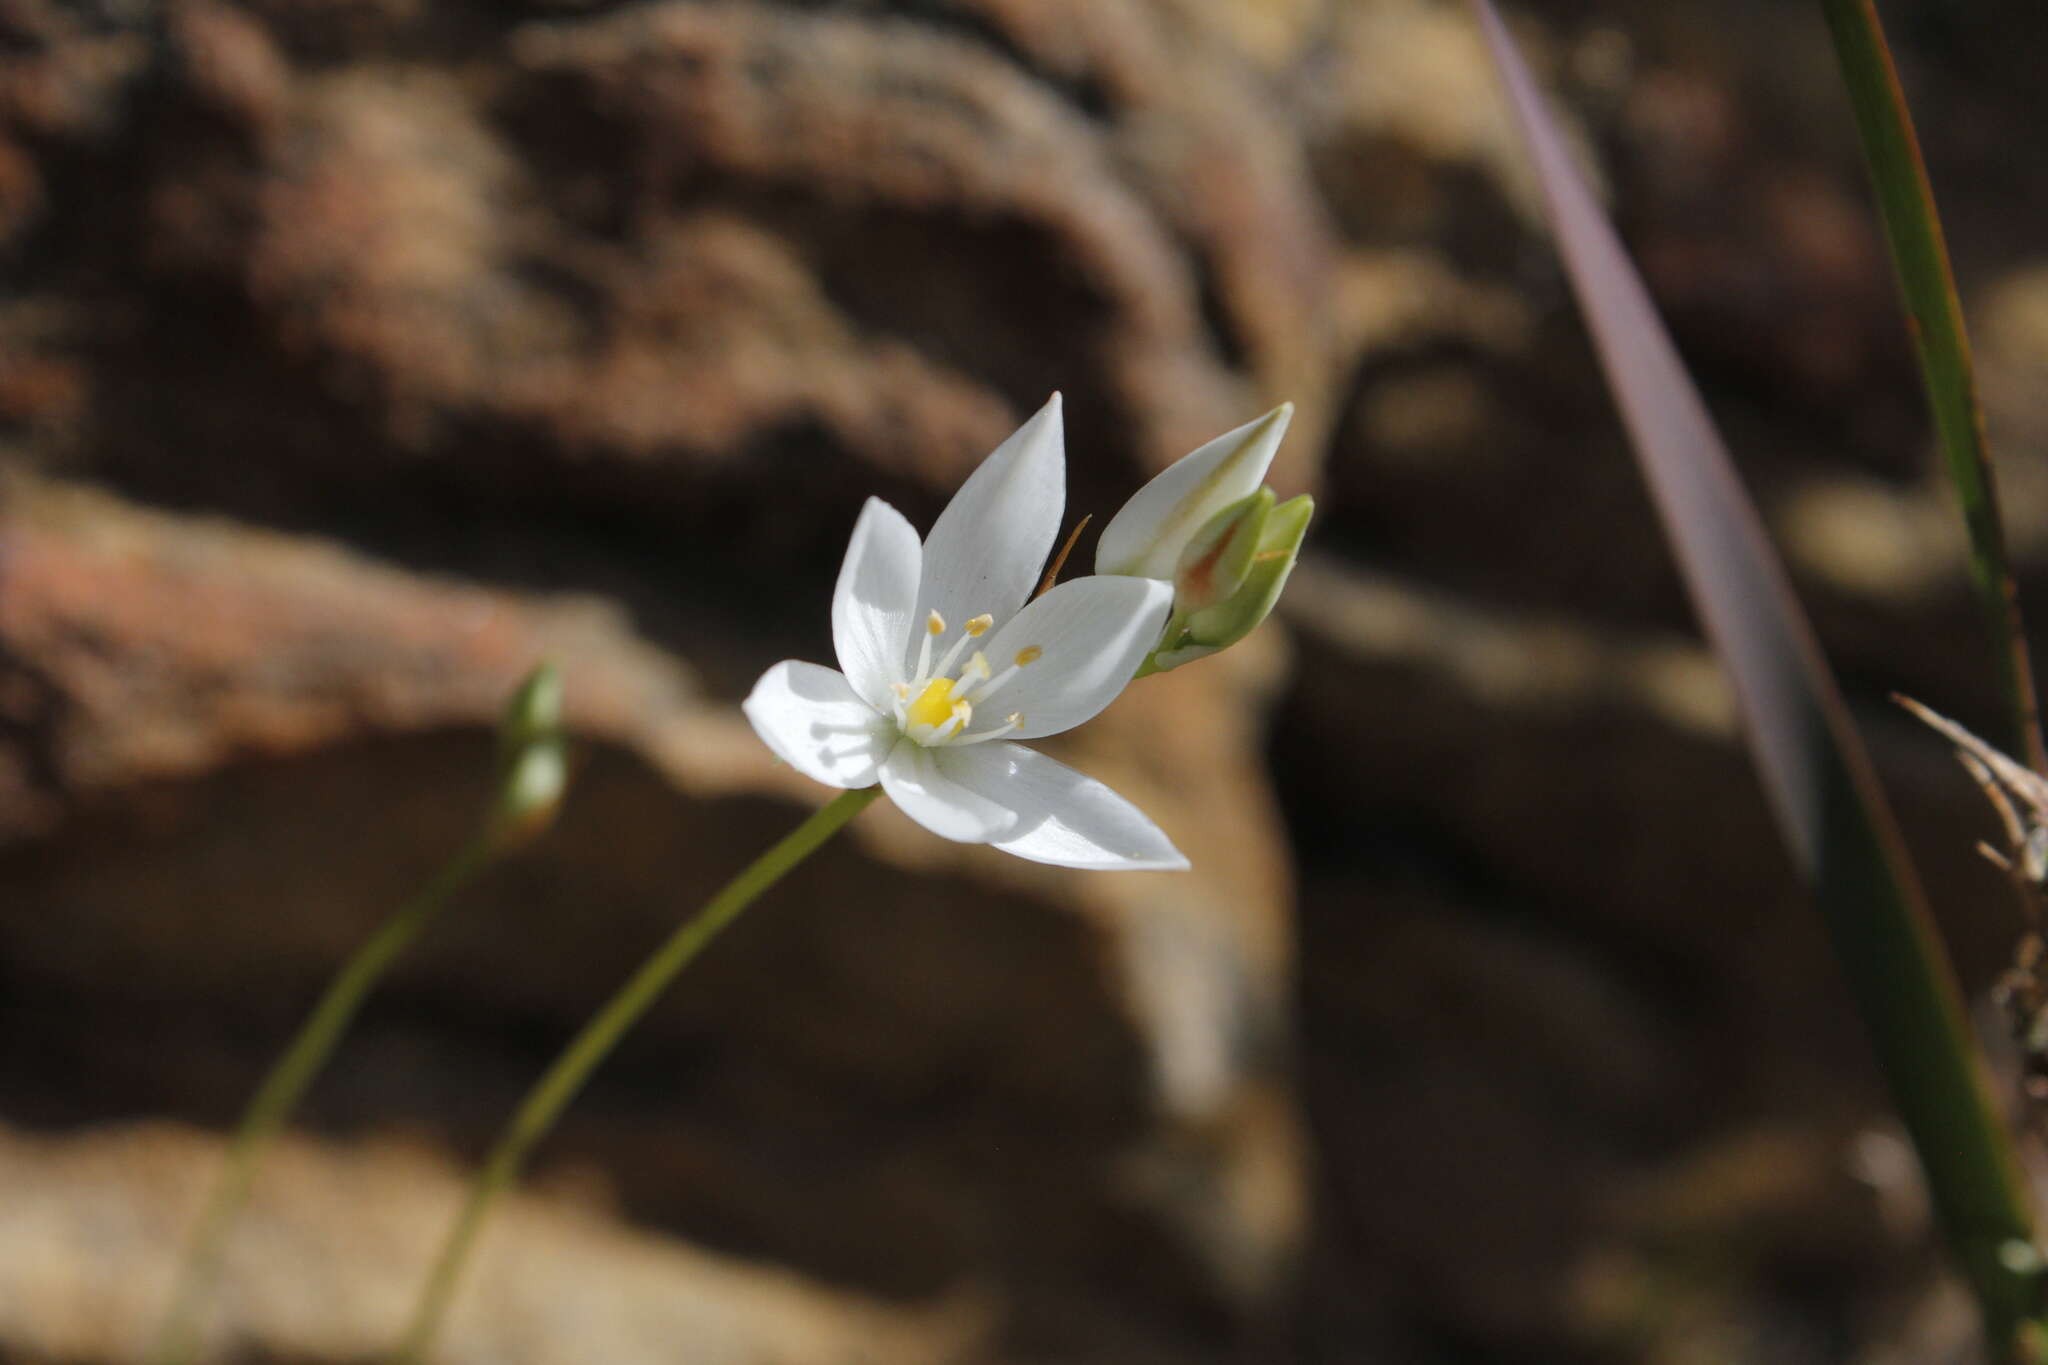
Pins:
x,y
356,353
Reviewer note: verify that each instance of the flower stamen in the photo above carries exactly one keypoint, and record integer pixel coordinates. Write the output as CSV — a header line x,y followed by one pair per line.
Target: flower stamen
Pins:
x,y
935,706
976,671
974,630
934,627
1031,654
1010,722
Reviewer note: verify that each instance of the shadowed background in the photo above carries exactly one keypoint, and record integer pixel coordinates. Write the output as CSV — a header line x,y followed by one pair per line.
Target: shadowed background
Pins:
x,y
354,354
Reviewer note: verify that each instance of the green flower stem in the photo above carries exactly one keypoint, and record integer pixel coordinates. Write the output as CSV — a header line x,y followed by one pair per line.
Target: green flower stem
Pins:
x,y
178,1339
553,1092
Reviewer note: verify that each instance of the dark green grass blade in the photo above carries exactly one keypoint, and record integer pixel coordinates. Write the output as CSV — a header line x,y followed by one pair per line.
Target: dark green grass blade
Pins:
x,y
1814,771
1912,228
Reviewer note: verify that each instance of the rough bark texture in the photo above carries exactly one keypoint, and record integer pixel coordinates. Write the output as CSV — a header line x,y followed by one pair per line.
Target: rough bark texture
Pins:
x,y
354,354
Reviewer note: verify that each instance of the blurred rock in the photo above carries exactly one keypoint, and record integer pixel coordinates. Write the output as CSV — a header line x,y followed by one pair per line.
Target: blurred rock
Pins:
x,y
332,1248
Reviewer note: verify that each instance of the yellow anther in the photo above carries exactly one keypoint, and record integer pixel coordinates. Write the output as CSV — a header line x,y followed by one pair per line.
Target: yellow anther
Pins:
x,y
977,667
979,624
935,623
934,705
1029,654
1015,718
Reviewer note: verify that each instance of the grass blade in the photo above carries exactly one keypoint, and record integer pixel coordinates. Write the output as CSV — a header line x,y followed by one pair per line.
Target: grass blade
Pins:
x,y
1814,770
1912,229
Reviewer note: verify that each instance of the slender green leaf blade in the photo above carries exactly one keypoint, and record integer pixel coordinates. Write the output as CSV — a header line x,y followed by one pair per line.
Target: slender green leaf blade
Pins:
x,y
1815,773
1912,229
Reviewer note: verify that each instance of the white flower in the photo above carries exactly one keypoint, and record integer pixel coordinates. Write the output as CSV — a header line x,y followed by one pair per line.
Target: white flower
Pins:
x,y
945,662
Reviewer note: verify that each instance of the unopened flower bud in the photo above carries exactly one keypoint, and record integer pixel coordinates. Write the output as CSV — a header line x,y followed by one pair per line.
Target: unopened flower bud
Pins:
x,y
1147,538
1230,576
533,764
1213,565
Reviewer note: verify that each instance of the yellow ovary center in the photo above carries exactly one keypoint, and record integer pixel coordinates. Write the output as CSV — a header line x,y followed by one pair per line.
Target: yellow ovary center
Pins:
x,y
934,706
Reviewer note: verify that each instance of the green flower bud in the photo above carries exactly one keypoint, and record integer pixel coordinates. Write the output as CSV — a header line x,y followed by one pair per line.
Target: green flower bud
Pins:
x,y
1229,577
533,762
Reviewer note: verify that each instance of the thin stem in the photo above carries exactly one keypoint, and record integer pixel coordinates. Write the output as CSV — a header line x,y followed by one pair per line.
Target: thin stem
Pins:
x,y
555,1089
1912,228
178,1339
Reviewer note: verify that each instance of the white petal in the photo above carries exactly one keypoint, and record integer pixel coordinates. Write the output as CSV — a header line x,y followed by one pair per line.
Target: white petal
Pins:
x,y
810,716
989,546
1146,536
1063,817
872,606
927,793
1093,633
